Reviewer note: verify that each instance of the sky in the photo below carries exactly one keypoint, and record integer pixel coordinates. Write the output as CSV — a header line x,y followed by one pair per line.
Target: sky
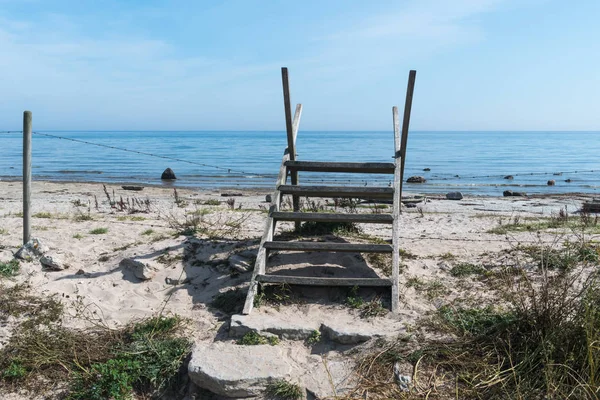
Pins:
x,y
216,65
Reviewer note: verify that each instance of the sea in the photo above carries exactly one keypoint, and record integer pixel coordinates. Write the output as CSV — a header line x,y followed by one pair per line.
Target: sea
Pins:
x,y
473,163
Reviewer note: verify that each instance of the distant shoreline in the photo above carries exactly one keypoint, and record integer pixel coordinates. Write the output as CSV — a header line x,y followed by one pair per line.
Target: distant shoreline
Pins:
x,y
266,190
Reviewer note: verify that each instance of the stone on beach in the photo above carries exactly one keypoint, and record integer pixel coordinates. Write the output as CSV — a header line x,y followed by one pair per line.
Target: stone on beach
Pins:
x,y
168,174
32,249
53,262
237,371
142,271
454,196
284,328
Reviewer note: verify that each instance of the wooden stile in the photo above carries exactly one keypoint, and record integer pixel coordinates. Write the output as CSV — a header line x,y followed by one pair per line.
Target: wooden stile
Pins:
x,y
290,166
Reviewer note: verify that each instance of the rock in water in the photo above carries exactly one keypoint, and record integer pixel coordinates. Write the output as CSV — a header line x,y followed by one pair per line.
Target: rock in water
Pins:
x,y
168,174
508,193
416,179
551,182
141,270
508,177
32,249
53,263
454,196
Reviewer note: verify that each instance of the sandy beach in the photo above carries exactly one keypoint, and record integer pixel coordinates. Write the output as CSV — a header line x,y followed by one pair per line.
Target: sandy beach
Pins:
x,y
78,225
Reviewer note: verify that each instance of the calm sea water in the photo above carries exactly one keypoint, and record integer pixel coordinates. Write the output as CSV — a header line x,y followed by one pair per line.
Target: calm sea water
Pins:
x,y
470,162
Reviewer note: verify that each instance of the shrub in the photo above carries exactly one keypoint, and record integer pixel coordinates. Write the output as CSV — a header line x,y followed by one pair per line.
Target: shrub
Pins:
x,y
99,231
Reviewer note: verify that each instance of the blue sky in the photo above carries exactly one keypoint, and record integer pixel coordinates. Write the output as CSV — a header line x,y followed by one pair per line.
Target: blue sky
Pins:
x,y
196,65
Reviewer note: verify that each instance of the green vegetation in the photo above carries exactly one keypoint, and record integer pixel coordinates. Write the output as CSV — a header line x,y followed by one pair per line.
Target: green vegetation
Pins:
x,y
565,257
78,236
312,228
3,231
283,390
231,301
474,321
432,289
583,223
42,215
253,338
212,202
99,231
314,338
543,343
466,269
131,218
368,309
80,217
148,232
9,268
353,300
448,256
100,363
275,295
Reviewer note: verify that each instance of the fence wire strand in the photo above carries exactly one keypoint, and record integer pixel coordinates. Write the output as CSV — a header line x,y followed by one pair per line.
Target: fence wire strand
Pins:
x,y
229,170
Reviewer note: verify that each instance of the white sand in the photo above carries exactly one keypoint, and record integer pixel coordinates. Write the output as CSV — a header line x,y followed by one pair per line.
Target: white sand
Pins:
x,y
107,292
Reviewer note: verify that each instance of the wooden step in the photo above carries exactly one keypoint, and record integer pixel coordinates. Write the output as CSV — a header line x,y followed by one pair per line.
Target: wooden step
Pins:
x,y
338,191
329,246
314,281
330,217
319,166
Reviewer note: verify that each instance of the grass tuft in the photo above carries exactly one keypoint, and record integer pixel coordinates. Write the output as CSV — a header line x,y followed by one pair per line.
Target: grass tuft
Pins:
x,y
9,268
99,231
284,390
253,338
466,269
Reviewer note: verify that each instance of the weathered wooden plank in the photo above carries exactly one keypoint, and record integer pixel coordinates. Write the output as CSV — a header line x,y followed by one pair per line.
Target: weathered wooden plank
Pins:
x,y
294,174
338,191
330,217
314,281
318,166
329,246
260,265
288,112
26,176
396,214
405,122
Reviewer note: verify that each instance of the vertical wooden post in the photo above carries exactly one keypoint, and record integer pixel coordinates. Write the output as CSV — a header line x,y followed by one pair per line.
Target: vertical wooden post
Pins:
x,y
26,176
396,210
406,121
291,139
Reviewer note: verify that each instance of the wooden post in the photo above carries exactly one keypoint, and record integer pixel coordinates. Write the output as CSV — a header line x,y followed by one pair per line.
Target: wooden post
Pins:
x,y
406,121
26,176
291,137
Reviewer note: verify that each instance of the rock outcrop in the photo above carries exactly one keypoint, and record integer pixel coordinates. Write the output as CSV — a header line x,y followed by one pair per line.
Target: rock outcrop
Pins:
x,y
237,371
